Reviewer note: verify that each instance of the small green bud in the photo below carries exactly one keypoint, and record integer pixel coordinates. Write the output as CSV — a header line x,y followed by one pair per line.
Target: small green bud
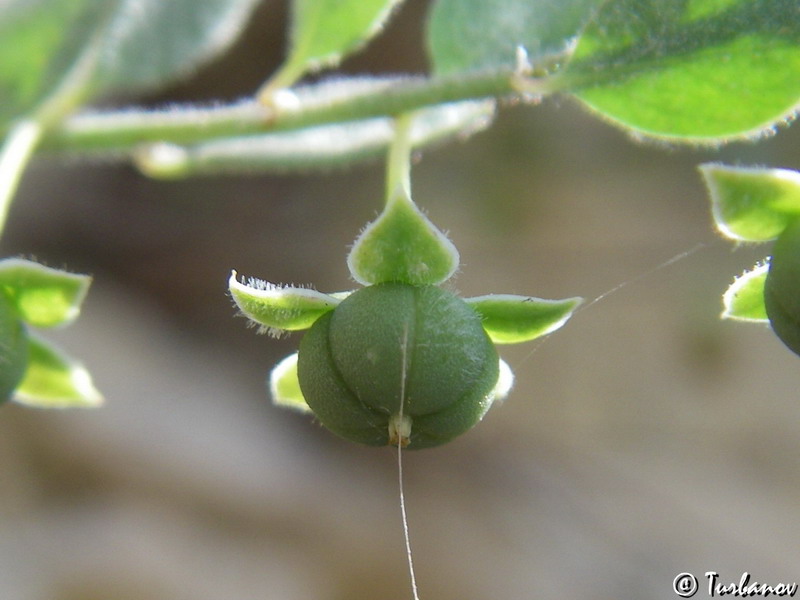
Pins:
x,y
782,287
395,350
13,349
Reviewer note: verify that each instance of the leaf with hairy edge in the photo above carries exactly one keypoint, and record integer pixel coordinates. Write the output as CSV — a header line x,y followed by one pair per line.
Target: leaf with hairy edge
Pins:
x,y
702,71
752,204
42,296
279,308
324,31
510,319
475,35
744,299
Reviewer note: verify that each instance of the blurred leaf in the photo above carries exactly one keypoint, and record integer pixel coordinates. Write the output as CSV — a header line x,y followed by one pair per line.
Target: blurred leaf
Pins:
x,y
279,308
133,44
512,319
752,204
42,296
324,31
150,42
699,70
41,39
744,299
53,380
472,35
284,385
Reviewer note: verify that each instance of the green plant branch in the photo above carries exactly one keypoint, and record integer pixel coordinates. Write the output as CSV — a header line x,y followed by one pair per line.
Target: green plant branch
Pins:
x,y
17,150
398,165
121,131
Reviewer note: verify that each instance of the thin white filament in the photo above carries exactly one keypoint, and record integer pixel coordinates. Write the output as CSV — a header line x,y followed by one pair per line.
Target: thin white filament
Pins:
x,y
667,263
406,535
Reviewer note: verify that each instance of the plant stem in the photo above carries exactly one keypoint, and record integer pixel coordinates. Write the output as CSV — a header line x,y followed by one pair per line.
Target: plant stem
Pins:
x,y
121,130
15,153
398,163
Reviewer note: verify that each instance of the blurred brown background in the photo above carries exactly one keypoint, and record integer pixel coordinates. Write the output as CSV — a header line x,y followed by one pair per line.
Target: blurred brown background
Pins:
x,y
644,439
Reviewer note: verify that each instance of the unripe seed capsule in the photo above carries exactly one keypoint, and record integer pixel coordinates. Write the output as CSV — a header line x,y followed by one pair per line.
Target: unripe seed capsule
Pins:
x,y
13,349
782,287
394,349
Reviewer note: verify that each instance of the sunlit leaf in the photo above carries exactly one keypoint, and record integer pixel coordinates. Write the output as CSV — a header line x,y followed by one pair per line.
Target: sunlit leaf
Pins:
x,y
512,319
752,204
324,31
699,70
473,35
53,380
744,299
278,308
284,385
42,296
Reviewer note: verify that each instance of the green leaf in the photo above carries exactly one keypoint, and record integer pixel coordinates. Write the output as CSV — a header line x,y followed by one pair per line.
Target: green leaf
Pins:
x,y
703,71
744,299
512,319
473,35
402,245
42,296
324,31
751,204
79,48
276,308
284,385
53,380
150,42
41,38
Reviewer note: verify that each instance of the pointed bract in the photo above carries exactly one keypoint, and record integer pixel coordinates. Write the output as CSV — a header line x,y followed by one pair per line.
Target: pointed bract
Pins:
x,y
42,296
284,385
279,308
752,204
744,299
505,381
53,380
510,319
402,245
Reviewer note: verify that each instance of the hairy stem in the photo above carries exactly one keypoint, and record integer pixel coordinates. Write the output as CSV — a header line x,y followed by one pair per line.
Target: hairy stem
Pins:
x,y
122,130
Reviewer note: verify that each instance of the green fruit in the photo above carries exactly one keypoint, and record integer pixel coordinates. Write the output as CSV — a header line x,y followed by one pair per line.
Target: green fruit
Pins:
x,y
13,349
782,287
391,344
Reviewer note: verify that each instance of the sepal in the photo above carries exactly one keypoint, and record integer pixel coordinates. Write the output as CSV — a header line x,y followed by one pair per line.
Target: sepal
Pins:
x,y
276,309
42,296
284,385
752,204
505,381
402,245
744,299
53,380
510,319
